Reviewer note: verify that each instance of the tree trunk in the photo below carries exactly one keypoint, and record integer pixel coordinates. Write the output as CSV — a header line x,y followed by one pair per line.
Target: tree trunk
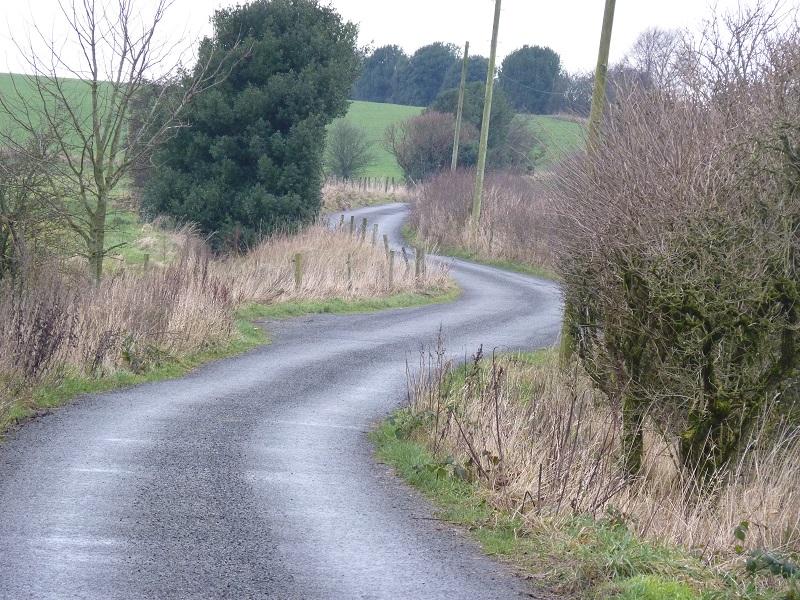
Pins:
x,y
97,240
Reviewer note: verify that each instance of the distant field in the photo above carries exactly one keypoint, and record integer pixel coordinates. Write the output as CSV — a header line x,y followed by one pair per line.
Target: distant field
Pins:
x,y
374,118
559,136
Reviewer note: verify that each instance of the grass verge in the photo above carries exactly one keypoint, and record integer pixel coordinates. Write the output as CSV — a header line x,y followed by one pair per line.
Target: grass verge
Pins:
x,y
595,559
411,238
47,396
572,553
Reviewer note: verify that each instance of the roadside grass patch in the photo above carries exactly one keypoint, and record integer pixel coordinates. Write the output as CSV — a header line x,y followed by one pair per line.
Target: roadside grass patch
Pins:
x,y
61,388
591,558
296,308
453,422
412,239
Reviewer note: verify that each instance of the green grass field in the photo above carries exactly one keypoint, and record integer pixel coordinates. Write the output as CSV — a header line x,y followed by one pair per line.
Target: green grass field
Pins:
x,y
374,118
559,136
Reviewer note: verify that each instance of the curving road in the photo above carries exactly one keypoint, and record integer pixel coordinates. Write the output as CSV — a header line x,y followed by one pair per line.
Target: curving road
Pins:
x,y
253,477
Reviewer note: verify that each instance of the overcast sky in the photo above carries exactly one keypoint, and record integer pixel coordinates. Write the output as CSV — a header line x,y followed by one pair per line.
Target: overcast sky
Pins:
x,y
571,27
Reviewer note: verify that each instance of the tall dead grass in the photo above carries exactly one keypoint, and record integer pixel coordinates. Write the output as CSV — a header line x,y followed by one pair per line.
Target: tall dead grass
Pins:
x,y
349,194
545,446
516,220
53,323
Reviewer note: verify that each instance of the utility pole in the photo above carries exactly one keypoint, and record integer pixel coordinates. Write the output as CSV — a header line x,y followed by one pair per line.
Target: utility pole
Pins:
x,y
460,109
601,75
487,114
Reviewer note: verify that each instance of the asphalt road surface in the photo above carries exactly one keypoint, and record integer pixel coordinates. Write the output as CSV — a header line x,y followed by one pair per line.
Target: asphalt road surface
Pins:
x,y
254,477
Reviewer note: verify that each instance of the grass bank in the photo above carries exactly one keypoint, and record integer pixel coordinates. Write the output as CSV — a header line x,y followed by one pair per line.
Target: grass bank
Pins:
x,y
48,395
60,337
542,272
522,454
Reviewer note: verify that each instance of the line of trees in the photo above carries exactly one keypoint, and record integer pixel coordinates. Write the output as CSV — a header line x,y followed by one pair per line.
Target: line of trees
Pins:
x,y
530,76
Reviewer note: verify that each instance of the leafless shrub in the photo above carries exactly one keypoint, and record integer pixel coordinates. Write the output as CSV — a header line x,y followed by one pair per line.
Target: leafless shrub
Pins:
x,y
423,145
679,238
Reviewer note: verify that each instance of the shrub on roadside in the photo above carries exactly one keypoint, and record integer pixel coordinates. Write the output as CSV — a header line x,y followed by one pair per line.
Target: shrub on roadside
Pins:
x,y
423,145
679,251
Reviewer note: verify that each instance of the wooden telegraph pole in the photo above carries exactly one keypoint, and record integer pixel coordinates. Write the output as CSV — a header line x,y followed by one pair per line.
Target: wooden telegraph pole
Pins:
x,y
460,109
487,114
601,75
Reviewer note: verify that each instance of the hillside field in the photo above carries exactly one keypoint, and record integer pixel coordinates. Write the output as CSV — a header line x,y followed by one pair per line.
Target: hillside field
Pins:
x,y
374,118
559,136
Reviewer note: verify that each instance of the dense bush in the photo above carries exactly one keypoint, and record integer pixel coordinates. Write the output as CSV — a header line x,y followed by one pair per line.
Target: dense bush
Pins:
x,y
251,161
423,145
680,248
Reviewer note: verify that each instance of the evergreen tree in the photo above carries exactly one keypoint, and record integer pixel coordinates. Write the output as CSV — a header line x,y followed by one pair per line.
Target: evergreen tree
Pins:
x,y
379,75
251,159
528,76
422,79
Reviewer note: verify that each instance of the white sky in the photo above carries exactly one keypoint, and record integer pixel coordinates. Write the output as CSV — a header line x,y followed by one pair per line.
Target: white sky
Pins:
x,y
571,27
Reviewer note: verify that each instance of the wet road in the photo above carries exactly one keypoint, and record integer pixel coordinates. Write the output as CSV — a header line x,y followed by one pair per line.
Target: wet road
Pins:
x,y
254,477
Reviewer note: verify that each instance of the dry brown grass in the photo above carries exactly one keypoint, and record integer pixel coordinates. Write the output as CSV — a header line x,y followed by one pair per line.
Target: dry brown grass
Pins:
x,y
516,219
52,323
266,274
545,445
347,195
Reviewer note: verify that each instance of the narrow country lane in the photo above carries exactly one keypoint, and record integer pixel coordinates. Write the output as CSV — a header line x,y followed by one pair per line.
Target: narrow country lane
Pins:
x,y
254,477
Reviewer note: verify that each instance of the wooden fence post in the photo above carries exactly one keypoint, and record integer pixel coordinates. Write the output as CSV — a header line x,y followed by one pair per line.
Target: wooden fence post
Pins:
x,y
405,258
417,262
352,224
364,229
391,269
298,271
146,261
341,221
374,234
386,244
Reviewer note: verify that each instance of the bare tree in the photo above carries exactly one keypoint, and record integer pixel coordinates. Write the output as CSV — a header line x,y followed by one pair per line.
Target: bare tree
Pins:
x,y
654,53
86,106
348,151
